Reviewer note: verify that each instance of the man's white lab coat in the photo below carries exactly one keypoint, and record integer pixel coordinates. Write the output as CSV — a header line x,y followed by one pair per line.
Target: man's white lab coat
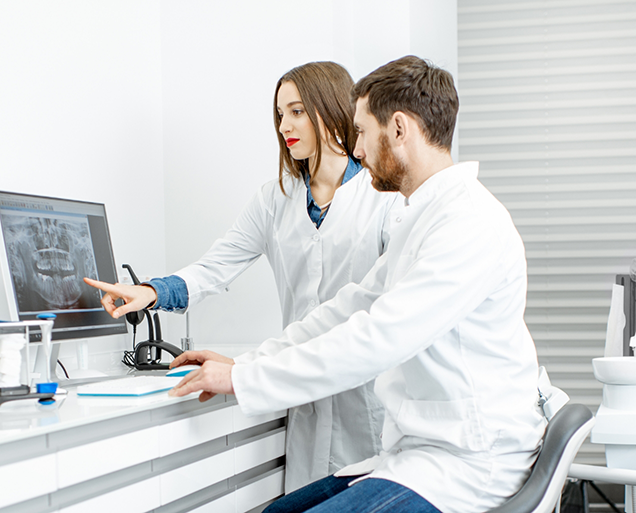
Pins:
x,y
439,320
310,266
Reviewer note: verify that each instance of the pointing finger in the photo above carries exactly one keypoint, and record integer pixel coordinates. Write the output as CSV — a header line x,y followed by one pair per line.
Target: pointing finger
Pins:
x,y
101,285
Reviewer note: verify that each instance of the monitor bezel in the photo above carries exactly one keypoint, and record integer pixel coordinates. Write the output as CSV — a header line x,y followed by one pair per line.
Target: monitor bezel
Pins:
x,y
8,299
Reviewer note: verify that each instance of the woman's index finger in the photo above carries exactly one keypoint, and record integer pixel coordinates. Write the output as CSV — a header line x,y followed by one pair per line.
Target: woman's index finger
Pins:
x,y
102,285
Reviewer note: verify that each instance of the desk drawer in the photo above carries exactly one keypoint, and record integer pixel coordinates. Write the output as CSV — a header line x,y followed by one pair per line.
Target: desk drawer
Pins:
x,y
242,422
264,449
96,459
27,479
137,498
259,492
192,431
226,504
196,476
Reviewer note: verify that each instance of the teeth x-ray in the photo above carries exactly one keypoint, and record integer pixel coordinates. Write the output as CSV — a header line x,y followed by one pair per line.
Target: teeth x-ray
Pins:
x,y
48,257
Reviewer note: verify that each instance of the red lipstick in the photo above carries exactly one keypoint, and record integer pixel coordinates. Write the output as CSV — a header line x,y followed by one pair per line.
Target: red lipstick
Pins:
x,y
291,141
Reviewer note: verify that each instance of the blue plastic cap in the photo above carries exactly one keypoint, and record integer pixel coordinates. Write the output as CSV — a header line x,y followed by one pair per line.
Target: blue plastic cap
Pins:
x,y
46,388
45,316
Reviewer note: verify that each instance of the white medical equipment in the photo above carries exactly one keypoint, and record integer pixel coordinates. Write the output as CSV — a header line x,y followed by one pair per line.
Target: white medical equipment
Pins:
x,y
616,417
38,377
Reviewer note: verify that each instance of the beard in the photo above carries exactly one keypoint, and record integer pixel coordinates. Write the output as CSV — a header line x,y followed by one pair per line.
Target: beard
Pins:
x,y
388,172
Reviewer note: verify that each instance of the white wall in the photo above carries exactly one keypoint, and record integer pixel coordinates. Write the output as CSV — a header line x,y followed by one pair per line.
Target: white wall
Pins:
x,y
162,110
221,62
80,118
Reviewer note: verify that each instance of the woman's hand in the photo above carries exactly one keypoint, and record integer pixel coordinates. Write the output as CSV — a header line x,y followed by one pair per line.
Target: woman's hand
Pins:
x,y
135,297
211,379
199,357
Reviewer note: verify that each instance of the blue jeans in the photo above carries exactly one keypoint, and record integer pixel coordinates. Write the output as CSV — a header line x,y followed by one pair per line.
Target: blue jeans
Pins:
x,y
332,494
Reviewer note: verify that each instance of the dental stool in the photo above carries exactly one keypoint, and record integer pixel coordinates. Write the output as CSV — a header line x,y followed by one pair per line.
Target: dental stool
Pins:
x,y
563,437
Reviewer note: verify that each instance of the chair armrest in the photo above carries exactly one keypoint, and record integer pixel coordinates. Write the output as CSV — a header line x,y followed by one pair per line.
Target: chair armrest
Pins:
x,y
607,475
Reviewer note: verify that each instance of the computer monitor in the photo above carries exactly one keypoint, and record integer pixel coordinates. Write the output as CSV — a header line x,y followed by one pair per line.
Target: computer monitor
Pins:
x,y
47,246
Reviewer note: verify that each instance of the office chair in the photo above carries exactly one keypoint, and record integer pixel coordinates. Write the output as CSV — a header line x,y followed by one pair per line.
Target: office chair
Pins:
x,y
562,439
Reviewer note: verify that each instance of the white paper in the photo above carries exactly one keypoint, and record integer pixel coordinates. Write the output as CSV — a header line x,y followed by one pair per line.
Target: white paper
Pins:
x,y
615,323
11,359
11,342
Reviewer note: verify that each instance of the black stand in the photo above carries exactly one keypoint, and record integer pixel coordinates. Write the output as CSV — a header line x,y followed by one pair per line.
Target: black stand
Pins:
x,y
148,353
143,357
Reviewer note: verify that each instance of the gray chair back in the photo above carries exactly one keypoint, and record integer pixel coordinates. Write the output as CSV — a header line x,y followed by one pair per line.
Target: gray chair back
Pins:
x,y
562,439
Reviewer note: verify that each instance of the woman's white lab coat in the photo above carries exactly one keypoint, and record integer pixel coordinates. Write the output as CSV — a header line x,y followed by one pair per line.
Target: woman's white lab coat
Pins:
x,y
310,265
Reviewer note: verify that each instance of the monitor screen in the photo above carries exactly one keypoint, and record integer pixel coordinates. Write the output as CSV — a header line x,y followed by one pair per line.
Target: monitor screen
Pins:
x,y
47,246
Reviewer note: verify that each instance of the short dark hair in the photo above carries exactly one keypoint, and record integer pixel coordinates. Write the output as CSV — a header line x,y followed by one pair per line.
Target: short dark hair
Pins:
x,y
324,89
417,87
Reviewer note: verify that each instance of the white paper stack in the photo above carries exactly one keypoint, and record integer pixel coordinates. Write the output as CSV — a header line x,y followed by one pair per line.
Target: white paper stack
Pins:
x,y
11,359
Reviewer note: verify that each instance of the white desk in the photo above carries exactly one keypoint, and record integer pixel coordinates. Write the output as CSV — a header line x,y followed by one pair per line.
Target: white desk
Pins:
x,y
153,453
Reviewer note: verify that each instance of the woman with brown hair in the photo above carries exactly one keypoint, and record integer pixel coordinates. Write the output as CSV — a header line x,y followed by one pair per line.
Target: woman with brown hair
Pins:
x,y
321,226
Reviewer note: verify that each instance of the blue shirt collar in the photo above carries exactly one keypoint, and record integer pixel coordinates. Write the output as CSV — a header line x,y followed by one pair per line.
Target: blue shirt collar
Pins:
x,y
353,168
313,209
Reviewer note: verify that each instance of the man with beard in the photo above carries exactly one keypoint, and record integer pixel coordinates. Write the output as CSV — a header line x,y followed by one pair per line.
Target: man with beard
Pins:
x,y
438,321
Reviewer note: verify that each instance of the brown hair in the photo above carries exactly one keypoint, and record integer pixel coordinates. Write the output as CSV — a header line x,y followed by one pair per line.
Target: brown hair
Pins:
x,y
325,89
417,87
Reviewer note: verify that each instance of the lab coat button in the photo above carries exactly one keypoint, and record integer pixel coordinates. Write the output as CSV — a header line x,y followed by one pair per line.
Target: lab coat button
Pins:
x,y
331,459
399,451
398,219
312,303
316,237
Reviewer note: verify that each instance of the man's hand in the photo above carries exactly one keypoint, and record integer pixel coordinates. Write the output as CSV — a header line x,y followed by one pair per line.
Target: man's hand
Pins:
x,y
198,357
136,297
211,379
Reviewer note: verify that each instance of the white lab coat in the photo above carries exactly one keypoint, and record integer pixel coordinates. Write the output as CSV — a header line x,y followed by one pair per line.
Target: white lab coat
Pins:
x,y
310,265
439,320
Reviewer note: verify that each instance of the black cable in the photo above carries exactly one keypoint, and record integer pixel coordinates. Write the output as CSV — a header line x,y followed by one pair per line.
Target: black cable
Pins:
x,y
129,356
129,359
151,329
604,497
63,368
157,325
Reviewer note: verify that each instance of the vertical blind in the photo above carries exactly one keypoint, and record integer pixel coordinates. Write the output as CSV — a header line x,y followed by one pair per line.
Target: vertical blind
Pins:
x,y
548,106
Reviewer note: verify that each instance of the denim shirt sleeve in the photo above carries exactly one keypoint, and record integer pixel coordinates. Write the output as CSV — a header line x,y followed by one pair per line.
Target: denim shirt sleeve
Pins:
x,y
172,293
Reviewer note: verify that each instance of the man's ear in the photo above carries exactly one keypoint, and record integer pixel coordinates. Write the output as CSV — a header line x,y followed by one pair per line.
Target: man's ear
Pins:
x,y
400,124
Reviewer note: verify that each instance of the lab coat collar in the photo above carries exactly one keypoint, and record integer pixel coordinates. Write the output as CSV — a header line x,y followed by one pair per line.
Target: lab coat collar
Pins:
x,y
443,180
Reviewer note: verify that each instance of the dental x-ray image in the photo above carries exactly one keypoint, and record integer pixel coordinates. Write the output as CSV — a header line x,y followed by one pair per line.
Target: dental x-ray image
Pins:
x,y
48,257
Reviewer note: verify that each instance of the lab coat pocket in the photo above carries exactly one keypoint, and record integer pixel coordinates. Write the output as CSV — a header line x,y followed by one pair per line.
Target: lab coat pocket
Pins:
x,y
451,424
